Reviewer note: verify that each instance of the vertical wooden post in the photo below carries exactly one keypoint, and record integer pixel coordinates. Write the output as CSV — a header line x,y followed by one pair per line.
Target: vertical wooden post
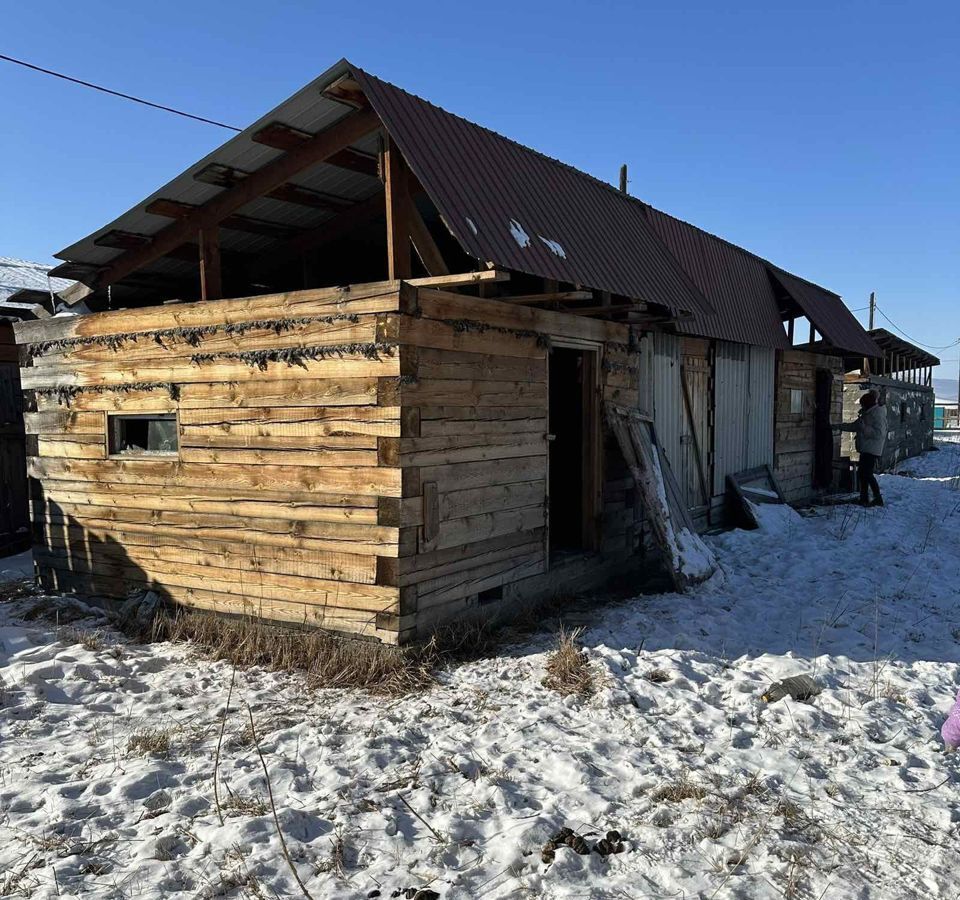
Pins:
x,y
398,213
210,285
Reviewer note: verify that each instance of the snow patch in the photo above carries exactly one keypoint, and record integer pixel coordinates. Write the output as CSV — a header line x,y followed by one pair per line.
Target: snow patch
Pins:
x,y
555,246
519,235
471,224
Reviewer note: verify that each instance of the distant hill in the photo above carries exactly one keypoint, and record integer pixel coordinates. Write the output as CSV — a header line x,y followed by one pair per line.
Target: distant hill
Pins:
x,y
945,388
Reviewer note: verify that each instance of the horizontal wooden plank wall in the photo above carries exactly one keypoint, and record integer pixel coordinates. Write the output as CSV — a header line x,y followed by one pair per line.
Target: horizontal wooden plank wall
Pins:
x,y
794,437
285,496
477,401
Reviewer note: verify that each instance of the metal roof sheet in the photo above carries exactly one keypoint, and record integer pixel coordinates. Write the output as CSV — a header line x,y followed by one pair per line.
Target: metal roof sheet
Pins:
x,y
734,281
828,314
521,210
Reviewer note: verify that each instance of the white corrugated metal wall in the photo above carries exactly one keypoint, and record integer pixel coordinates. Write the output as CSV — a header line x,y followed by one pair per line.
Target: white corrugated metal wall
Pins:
x,y
743,425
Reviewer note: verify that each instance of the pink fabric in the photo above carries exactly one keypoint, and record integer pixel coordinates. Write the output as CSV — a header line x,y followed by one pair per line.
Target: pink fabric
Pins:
x,y
951,728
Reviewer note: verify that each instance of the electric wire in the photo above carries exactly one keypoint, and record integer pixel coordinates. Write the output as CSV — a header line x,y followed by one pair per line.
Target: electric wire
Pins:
x,y
913,339
113,93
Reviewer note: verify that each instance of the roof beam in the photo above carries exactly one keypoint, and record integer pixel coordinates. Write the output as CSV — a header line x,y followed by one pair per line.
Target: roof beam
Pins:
x,y
284,137
176,209
317,149
424,244
548,297
228,177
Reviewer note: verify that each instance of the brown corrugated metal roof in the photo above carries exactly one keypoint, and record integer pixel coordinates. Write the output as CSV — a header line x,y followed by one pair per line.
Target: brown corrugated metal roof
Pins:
x,y
734,281
521,210
828,314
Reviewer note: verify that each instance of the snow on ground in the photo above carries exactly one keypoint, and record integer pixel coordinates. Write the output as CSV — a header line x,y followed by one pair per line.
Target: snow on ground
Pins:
x,y
715,793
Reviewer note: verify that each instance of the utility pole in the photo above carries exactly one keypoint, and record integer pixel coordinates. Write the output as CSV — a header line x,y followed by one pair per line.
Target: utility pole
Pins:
x,y
873,306
623,178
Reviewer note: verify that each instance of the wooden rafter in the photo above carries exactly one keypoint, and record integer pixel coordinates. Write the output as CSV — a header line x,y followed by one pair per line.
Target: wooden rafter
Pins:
x,y
424,244
549,297
316,150
176,209
284,137
228,177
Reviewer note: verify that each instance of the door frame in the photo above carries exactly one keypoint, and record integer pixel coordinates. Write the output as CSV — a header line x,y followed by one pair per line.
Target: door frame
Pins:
x,y
591,354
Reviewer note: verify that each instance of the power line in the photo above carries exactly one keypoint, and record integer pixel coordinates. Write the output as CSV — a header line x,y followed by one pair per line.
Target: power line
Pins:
x,y
914,340
105,90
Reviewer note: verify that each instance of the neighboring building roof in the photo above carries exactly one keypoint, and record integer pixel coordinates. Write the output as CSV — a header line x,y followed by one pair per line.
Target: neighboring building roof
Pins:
x,y
25,288
911,354
20,274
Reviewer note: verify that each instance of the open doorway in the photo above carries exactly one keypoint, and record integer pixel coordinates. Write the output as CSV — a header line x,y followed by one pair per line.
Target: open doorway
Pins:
x,y
574,451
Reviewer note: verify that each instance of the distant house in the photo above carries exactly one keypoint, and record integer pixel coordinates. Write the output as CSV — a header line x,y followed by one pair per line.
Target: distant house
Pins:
x,y
399,397
23,285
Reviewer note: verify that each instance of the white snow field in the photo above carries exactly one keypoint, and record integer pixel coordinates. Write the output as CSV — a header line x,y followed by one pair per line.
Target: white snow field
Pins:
x,y
107,747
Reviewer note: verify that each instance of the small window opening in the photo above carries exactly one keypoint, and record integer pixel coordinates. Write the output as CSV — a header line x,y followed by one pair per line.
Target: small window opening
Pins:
x,y
903,410
490,595
796,402
143,435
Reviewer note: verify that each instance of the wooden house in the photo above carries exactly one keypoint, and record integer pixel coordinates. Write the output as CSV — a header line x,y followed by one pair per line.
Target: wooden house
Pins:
x,y
383,397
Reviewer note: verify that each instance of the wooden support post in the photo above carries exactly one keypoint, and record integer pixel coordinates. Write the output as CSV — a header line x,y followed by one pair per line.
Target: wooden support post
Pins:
x,y
210,283
398,213
790,330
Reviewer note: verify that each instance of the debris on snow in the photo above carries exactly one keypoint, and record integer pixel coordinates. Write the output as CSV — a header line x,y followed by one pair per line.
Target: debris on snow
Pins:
x,y
799,687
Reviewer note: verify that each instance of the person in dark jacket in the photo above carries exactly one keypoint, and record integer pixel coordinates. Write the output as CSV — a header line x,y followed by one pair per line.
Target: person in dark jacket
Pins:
x,y
870,429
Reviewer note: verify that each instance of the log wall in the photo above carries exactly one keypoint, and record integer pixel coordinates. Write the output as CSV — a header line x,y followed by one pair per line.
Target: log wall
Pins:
x,y
478,395
284,497
794,432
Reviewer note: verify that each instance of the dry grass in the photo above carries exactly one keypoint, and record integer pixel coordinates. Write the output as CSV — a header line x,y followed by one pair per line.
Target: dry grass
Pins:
x,y
683,787
17,590
150,742
244,804
91,638
568,669
657,676
328,660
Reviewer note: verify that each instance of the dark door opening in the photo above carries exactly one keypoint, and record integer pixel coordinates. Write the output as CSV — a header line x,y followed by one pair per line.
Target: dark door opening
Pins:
x,y
823,433
573,450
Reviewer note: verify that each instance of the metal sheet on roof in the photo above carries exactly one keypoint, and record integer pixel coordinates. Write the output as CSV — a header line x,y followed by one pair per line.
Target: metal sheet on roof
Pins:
x,y
732,279
828,314
521,210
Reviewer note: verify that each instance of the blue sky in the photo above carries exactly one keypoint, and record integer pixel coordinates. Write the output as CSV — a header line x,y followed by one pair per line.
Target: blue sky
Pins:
x,y
824,136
